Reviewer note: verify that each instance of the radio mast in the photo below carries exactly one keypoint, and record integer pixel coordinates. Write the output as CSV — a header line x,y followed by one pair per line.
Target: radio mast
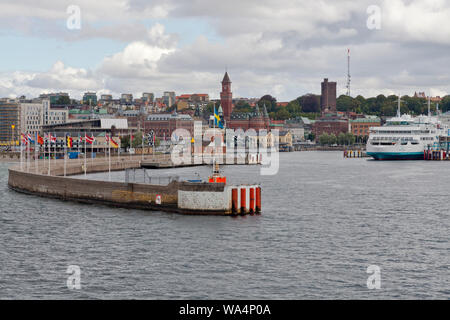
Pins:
x,y
348,72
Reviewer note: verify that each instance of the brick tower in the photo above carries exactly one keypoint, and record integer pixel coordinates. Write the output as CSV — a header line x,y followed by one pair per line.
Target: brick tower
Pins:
x,y
226,97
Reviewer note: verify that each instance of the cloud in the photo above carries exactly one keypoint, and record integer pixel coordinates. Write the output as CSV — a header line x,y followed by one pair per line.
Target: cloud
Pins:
x,y
65,78
283,47
425,21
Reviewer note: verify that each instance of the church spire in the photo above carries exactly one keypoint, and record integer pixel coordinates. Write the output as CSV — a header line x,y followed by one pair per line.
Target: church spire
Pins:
x,y
266,115
226,78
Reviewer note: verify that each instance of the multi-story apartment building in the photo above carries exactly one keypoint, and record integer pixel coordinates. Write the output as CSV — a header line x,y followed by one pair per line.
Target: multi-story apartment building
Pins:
x,y
34,115
54,97
169,98
126,98
148,97
10,122
90,98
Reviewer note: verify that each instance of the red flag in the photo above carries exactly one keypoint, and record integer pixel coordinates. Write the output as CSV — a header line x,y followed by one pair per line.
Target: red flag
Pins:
x,y
89,139
40,140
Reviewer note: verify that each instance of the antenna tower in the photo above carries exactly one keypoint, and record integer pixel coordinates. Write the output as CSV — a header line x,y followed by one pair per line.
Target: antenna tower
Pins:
x,y
348,72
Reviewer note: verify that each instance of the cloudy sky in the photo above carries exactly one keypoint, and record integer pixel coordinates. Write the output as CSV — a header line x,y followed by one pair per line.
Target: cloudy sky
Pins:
x,y
279,47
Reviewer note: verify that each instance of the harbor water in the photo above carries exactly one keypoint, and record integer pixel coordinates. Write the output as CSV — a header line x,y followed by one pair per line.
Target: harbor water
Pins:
x,y
325,219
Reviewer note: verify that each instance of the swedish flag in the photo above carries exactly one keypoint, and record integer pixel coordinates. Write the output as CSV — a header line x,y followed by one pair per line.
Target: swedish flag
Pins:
x,y
217,121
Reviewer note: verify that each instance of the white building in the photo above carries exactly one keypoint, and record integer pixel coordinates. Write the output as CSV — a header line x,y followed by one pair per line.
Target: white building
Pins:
x,y
33,115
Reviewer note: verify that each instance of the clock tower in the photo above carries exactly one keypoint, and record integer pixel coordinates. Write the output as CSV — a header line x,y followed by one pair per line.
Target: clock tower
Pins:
x,y
226,97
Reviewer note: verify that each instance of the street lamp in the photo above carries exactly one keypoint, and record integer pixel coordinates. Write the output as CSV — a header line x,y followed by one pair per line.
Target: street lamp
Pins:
x,y
13,126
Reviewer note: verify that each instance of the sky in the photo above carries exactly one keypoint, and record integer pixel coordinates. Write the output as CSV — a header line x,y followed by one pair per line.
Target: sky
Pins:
x,y
280,47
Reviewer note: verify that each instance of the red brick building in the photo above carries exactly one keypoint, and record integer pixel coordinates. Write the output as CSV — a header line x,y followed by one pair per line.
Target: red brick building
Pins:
x,y
164,124
331,124
226,97
244,120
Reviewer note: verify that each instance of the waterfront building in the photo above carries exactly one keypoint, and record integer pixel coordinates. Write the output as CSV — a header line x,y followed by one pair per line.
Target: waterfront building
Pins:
x,y
10,122
34,115
330,123
360,127
285,141
163,125
296,128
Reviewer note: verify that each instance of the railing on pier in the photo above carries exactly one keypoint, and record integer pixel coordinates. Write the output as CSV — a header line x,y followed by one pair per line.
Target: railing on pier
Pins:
x,y
135,175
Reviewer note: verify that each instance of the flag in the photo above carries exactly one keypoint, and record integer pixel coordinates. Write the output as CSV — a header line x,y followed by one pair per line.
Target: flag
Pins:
x,y
24,139
29,138
69,142
114,144
111,141
39,139
89,139
217,120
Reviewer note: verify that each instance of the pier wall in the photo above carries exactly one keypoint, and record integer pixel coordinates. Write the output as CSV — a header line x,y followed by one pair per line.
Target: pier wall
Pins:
x,y
121,194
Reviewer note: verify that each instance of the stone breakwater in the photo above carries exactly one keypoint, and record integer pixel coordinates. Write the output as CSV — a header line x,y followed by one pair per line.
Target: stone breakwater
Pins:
x,y
177,197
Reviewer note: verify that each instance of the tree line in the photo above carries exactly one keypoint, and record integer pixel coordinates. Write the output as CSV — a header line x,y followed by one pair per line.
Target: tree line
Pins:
x,y
308,105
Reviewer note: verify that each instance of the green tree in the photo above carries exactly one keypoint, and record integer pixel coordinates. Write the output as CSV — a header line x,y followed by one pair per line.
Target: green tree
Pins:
x,y
341,139
332,139
282,114
349,138
63,100
242,106
269,101
309,102
324,139
445,104
294,108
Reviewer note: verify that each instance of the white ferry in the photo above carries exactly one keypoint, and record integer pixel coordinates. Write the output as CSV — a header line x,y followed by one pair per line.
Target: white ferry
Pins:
x,y
404,137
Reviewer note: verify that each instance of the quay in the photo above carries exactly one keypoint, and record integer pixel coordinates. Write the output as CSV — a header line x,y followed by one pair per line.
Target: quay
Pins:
x,y
184,197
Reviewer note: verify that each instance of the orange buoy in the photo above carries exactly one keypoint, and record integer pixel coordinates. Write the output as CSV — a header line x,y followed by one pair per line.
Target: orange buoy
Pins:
x,y
258,200
234,201
243,201
252,200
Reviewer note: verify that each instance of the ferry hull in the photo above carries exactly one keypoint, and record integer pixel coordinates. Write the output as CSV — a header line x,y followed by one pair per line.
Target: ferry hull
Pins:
x,y
396,155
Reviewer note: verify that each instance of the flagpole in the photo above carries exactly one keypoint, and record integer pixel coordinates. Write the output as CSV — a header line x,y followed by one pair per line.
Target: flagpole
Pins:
x,y
28,154
109,157
65,154
142,145
92,150
118,150
131,142
85,164
35,153
50,148
21,152
49,141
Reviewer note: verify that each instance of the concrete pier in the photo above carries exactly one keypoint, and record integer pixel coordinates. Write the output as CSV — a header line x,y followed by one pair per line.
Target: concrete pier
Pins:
x,y
196,198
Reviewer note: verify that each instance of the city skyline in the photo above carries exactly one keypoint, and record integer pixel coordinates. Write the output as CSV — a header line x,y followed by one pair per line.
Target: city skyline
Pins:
x,y
137,47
